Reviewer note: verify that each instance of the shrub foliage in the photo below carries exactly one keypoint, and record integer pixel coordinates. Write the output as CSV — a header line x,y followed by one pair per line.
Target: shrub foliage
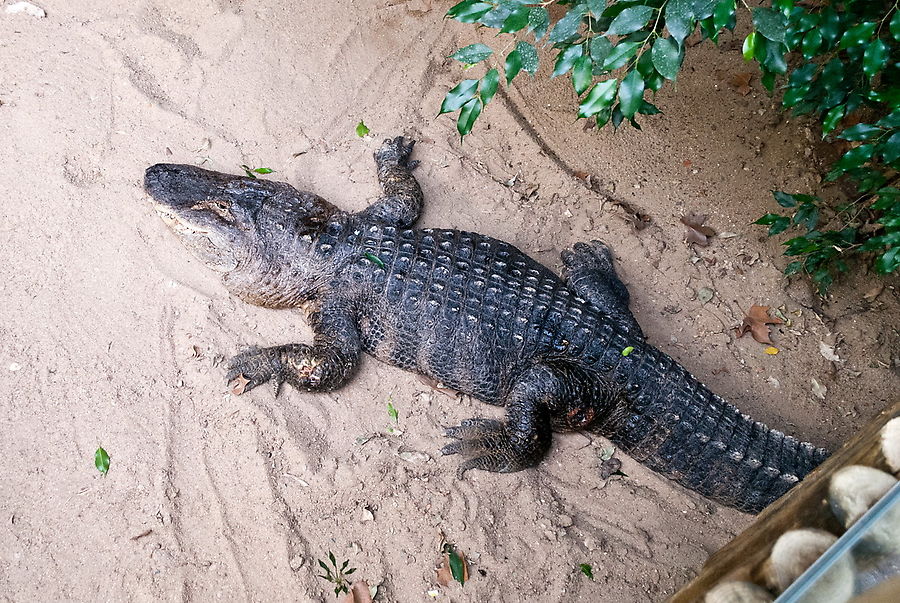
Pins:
x,y
838,61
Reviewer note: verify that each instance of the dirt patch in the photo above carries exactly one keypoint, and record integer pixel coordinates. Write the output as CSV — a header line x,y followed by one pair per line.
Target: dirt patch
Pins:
x,y
112,334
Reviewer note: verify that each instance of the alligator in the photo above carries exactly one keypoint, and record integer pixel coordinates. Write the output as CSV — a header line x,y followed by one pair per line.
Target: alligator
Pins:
x,y
476,314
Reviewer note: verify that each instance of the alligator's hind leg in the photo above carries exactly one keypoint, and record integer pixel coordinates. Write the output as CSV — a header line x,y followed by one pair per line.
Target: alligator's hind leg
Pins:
x,y
556,395
402,200
589,271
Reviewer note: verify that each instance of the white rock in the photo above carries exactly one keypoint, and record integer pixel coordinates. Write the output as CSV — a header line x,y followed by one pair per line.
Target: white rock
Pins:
x,y
26,7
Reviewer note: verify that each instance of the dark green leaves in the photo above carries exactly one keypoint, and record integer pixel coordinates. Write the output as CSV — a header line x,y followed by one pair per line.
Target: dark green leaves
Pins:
x,y
631,94
456,562
538,21
567,28
680,19
469,11
861,132
516,20
600,97
488,86
252,172
101,460
529,57
473,53
666,57
587,570
467,116
513,65
582,74
565,60
770,23
620,54
630,20
856,36
600,49
874,58
459,96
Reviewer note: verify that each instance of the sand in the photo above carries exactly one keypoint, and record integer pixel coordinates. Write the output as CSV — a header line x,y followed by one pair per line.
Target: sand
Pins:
x,y
113,335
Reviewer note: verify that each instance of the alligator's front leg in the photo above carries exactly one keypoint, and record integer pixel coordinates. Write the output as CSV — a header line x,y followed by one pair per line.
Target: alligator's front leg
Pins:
x,y
323,366
402,200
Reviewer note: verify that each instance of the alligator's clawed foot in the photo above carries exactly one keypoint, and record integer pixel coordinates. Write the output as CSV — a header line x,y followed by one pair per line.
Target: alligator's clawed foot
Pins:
x,y
252,367
486,444
582,257
395,152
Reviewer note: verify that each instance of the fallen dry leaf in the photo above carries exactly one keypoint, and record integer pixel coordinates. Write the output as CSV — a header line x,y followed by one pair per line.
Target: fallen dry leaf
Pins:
x,y
696,231
741,82
359,593
874,292
827,352
238,385
756,322
818,389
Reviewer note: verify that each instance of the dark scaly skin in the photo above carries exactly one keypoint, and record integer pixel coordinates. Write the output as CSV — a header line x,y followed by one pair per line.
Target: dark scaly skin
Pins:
x,y
476,314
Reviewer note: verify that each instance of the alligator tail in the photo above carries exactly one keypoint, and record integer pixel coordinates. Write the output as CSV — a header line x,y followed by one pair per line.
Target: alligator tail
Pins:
x,y
673,424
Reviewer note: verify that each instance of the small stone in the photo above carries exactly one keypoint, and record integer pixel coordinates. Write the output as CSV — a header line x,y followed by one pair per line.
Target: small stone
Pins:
x,y
565,521
354,546
367,514
411,456
15,366
296,562
27,8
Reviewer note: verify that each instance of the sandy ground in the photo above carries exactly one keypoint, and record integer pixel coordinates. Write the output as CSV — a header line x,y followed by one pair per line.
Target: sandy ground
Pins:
x,y
113,335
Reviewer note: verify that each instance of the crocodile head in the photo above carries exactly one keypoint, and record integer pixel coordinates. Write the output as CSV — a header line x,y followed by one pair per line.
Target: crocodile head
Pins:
x,y
237,225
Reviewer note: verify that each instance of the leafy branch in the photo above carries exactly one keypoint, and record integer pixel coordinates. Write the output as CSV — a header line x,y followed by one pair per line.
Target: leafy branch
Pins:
x,y
839,59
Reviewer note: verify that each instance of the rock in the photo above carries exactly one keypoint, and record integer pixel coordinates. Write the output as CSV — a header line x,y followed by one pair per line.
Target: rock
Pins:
x,y
296,562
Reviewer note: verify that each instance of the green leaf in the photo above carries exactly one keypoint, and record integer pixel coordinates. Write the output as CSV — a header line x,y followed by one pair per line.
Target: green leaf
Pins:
x,y
620,54
666,57
529,57
459,96
517,19
512,66
567,27
680,19
895,26
582,74
629,20
888,261
784,200
263,170
648,108
457,568
875,57
587,570
724,14
811,43
361,129
374,258
891,120
596,7
749,48
830,26
831,119
469,11
467,116
631,93
770,23
101,460
488,86
600,49
498,15
566,59
860,132
890,149
627,351
857,35
473,53
538,21
768,219
779,225
600,97
395,416
807,215
855,157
